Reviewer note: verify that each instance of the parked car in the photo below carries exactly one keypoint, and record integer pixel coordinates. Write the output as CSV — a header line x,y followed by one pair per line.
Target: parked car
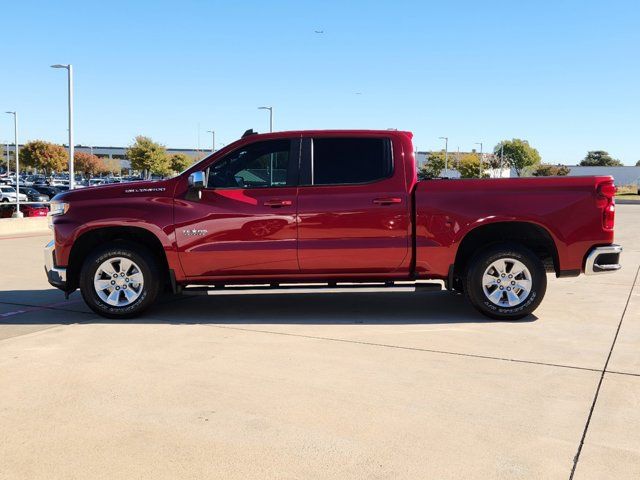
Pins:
x,y
8,194
332,207
34,195
28,210
46,190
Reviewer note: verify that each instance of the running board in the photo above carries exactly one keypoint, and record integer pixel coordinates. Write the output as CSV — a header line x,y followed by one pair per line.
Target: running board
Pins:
x,y
296,288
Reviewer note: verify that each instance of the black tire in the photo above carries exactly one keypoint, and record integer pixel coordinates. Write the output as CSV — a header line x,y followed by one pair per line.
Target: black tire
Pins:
x,y
149,268
473,285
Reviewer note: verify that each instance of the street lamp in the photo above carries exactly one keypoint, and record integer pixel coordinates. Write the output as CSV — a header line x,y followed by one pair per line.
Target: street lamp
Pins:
x,y
213,140
480,143
17,213
69,69
270,116
446,155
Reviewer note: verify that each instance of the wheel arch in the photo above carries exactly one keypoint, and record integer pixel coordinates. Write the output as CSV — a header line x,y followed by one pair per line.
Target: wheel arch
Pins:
x,y
532,235
90,239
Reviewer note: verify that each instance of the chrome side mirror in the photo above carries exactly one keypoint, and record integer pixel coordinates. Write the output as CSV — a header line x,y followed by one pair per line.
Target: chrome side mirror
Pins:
x,y
197,180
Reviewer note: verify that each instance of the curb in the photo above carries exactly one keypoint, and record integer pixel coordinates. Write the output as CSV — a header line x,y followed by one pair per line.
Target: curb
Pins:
x,y
20,226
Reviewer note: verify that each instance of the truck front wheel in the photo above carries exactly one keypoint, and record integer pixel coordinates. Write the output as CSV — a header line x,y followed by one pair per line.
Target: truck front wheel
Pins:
x,y
505,281
120,280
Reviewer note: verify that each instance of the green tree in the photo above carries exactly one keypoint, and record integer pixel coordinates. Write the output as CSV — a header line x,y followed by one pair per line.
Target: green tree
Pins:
x,y
180,162
46,156
148,156
546,170
433,166
600,158
88,164
110,166
638,163
518,154
469,166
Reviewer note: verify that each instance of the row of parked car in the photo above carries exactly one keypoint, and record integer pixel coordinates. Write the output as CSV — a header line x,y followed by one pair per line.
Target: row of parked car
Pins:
x,y
39,188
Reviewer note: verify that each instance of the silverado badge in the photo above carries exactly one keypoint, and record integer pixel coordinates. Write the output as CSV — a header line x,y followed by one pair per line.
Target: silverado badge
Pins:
x,y
193,232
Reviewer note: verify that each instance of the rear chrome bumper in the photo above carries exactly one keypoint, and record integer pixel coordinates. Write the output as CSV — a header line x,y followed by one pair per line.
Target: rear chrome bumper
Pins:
x,y
57,276
603,260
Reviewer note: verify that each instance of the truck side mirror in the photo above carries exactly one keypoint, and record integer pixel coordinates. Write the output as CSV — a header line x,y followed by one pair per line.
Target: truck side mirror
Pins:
x,y
196,180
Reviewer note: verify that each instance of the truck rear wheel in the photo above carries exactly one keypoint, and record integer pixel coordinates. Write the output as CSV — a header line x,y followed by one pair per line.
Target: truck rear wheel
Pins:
x,y
505,281
120,280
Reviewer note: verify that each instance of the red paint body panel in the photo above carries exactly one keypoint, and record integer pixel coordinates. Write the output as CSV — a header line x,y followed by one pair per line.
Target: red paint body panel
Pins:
x,y
333,232
566,207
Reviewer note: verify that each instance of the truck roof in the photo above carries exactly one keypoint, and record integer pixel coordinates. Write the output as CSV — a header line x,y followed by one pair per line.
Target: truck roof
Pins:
x,y
340,132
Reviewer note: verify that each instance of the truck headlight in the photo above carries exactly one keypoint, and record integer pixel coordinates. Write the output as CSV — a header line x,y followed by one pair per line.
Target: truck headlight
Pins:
x,y
56,209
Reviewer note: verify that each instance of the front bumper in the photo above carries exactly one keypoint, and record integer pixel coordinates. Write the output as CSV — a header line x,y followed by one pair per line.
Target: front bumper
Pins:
x,y
603,260
57,276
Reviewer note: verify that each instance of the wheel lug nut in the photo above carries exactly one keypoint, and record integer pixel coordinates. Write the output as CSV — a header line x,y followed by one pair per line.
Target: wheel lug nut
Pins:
x,y
501,287
113,282
509,288
117,288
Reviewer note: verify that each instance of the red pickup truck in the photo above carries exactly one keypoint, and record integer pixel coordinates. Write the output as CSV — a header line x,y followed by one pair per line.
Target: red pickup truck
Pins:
x,y
334,209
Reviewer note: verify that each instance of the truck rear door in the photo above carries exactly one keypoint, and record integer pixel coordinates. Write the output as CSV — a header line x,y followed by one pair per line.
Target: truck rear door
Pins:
x,y
353,205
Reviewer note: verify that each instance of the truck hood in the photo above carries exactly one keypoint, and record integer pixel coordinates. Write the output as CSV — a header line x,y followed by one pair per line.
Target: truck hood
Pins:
x,y
151,188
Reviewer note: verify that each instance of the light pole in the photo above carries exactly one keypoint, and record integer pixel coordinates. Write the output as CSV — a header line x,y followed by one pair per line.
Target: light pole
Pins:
x,y
213,140
480,143
270,116
70,85
446,155
17,213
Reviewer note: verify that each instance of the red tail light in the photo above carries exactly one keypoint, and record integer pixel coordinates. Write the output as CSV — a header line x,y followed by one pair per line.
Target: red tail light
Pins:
x,y
609,216
607,191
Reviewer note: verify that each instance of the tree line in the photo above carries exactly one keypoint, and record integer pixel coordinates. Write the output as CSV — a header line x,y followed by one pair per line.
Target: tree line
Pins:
x,y
145,156
515,154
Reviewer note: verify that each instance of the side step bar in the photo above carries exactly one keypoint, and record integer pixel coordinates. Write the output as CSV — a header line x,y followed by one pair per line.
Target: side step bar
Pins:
x,y
297,288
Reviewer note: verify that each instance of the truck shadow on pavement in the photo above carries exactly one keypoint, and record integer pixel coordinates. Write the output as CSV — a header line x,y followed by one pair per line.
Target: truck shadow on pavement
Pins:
x,y
370,308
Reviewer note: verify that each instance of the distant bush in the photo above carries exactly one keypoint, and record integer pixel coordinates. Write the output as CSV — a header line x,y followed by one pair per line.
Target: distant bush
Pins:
x,y
546,170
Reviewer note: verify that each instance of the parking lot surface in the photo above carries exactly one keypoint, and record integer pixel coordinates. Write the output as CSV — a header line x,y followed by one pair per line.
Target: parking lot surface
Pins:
x,y
322,385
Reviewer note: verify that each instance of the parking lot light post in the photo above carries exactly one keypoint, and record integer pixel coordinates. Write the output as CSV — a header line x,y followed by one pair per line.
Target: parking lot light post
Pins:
x,y
17,213
480,143
270,116
69,69
213,140
446,155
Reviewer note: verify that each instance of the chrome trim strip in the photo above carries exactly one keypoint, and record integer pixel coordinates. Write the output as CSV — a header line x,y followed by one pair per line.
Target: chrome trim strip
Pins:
x,y
56,275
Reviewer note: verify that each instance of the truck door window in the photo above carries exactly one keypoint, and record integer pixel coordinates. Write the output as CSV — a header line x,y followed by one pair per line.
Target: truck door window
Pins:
x,y
338,161
258,165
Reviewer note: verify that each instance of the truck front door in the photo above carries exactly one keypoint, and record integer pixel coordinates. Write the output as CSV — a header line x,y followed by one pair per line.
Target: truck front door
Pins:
x,y
244,222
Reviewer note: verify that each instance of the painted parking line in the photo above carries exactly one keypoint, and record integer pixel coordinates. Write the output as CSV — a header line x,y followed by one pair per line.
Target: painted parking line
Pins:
x,y
37,308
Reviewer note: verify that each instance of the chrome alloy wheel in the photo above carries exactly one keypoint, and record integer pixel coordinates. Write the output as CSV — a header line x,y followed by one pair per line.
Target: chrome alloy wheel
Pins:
x,y
118,282
506,282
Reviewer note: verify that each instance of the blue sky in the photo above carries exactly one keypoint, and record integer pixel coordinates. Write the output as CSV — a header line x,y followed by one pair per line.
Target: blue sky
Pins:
x,y
562,74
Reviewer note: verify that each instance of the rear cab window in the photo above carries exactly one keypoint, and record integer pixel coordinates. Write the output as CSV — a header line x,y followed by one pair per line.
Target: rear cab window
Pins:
x,y
348,160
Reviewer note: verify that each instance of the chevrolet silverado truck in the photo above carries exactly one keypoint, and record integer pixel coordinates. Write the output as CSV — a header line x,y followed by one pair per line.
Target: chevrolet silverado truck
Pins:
x,y
328,209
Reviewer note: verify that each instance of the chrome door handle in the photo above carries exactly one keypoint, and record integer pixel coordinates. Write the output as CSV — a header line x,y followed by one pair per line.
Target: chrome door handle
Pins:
x,y
278,203
387,200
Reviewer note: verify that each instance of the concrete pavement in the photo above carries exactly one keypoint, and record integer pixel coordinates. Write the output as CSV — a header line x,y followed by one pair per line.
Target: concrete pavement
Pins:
x,y
358,385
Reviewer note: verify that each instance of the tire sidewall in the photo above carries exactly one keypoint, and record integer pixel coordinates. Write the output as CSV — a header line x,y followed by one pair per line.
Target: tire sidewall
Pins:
x,y
485,258
136,255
